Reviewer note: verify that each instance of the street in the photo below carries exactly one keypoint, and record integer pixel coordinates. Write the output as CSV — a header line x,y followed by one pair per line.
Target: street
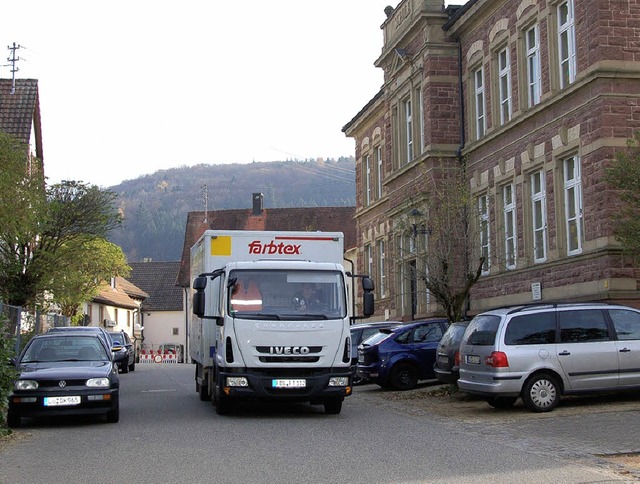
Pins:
x,y
167,434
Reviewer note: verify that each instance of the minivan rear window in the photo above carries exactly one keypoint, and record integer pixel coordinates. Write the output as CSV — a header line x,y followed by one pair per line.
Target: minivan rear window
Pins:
x,y
482,330
531,329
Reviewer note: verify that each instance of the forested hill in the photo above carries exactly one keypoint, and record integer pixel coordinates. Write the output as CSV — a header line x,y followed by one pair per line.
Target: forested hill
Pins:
x,y
155,206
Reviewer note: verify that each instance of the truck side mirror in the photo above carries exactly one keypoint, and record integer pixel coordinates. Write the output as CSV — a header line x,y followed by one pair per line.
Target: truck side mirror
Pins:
x,y
367,297
198,302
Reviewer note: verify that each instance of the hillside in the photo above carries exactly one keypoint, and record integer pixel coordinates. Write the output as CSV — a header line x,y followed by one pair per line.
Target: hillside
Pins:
x,y
155,206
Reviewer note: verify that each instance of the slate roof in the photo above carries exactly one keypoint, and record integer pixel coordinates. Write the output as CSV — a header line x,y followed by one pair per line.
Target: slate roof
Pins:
x,y
123,295
326,219
158,279
20,111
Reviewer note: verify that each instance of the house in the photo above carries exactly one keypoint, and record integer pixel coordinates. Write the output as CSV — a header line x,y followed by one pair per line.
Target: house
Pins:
x,y
20,115
329,219
116,307
528,100
162,314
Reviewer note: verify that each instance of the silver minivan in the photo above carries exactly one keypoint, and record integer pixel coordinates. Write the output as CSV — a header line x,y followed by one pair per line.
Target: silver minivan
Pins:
x,y
540,352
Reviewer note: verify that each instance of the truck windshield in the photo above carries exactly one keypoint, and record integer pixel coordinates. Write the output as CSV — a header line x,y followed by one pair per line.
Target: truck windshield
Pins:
x,y
286,295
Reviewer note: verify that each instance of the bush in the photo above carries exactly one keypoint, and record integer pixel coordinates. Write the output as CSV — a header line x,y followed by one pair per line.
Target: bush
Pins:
x,y
7,371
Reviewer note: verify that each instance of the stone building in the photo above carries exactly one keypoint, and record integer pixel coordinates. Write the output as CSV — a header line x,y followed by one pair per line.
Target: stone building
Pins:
x,y
528,100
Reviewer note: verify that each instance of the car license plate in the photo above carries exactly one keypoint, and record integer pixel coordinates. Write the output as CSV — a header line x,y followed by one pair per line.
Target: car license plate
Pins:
x,y
473,359
288,383
443,359
60,401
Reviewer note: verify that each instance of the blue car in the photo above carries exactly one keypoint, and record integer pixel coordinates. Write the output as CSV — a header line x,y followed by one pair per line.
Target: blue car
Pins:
x,y
400,357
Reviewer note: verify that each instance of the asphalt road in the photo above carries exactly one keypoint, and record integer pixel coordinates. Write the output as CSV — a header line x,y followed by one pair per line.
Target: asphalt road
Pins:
x,y
167,434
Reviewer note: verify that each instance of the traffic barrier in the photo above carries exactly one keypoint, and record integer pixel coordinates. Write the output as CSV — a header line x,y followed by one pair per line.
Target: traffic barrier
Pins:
x,y
157,357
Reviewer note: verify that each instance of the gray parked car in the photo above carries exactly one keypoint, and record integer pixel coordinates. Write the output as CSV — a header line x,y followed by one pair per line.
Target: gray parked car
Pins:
x,y
540,352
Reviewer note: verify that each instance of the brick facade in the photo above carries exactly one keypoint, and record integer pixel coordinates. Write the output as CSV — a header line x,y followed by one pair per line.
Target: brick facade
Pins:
x,y
583,117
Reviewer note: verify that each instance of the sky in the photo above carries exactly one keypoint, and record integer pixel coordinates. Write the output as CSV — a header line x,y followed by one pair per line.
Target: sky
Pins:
x,y
130,87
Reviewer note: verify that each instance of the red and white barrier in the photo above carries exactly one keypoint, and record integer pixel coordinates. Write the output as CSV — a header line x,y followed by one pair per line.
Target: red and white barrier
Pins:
x,y
157,357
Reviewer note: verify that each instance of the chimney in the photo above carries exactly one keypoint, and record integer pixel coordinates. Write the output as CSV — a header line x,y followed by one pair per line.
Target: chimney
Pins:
x,y
258,203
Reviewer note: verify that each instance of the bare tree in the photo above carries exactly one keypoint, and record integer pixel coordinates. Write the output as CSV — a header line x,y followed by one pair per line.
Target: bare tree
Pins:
x,y
445,237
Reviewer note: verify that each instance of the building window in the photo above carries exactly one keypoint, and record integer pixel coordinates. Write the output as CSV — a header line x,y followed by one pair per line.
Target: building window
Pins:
x,y
378,161
381,271
539,212
510,245
368,260
478,87
176,332
420,98
128,319
573,204
367,181
485,246
566,43
504,79
408,128
534,69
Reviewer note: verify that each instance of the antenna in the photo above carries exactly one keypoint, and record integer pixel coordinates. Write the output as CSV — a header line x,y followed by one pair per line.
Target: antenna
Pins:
x,y
13,59
205,196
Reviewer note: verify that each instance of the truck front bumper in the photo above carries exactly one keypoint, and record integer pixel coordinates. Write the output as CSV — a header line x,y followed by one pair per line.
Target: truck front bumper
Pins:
x,y
304,385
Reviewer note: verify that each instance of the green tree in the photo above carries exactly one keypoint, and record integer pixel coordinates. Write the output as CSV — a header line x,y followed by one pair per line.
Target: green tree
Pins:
x,y
97,260
7,372
44,230
624,176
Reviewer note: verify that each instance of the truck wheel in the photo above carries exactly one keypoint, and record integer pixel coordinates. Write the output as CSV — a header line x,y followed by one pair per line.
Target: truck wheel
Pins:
x,y
222,403
203,392
333,406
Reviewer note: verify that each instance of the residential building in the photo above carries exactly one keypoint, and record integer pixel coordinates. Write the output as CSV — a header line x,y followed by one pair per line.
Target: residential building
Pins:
x,y
162,314
529,100
116,307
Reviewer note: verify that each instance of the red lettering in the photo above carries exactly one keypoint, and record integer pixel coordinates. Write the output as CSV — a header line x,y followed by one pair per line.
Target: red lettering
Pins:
x,y
256,247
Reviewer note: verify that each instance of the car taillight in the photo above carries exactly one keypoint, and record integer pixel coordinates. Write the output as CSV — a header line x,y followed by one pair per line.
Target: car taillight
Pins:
x,y
497,359
456,358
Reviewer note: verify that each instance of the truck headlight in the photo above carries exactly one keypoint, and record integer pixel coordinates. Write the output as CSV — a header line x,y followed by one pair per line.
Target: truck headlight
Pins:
x,y
339,381
237,381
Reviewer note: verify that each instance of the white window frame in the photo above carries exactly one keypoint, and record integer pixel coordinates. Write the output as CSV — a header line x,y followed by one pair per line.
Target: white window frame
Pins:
x,y
479,101
367,180
408,126
539,216
510,226
573,204
420,96
504,84
566,39
368,260
534,66
378,160
485,241
381,272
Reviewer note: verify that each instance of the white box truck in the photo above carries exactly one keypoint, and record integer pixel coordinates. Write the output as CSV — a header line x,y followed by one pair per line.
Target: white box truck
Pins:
x,y
271,317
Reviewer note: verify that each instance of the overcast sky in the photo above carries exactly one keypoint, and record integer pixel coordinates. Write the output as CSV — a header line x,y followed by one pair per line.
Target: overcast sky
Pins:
x,y
129,87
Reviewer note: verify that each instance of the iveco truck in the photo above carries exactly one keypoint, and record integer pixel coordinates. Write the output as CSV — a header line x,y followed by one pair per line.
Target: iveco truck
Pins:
x,y
271,317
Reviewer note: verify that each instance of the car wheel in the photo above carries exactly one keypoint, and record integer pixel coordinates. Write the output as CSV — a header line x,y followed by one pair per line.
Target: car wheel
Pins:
x,y
333,406
502,402
13,420
124,368
403,377
113,415
541,393
132,366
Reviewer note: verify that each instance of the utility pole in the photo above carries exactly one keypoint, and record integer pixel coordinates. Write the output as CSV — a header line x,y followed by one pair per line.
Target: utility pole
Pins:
x,y
13,59
205,196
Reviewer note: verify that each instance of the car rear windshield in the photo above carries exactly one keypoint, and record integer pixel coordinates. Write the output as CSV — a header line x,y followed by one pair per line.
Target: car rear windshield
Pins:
x,y
377,338
482,330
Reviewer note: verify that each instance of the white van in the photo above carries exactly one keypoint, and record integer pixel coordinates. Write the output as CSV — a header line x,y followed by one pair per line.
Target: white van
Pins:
x,y
540,352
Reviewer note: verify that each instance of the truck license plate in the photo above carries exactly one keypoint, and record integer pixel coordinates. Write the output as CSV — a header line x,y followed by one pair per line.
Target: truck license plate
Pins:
x,y
59,401
288,383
